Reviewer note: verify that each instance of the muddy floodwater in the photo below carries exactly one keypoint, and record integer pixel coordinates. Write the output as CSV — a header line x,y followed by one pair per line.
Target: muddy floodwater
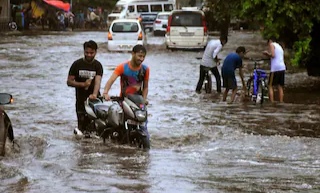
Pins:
x,y
198,143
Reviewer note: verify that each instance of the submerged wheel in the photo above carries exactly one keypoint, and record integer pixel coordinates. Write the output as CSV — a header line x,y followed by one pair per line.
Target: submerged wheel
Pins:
x,y
250,87
208,84
144,143
260,94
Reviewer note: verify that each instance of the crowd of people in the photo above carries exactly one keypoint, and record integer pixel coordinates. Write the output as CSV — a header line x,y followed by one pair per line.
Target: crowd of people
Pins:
x,y
57,19
233,61
85,74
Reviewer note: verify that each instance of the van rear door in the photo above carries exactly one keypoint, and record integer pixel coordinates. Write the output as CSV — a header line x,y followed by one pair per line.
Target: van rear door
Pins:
x,y
187,28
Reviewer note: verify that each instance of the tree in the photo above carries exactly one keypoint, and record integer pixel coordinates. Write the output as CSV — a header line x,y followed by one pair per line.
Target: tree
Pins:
x,y
290,21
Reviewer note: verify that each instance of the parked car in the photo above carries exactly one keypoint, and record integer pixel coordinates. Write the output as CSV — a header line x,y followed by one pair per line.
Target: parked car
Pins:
x,y
147,20
187,28
124,34
159,25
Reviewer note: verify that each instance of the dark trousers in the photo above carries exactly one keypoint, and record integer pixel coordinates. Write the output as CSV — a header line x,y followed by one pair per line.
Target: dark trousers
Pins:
x,y
216,74
82,116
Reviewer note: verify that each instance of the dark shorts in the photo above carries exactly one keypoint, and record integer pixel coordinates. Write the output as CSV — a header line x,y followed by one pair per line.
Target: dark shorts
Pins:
x,y
276,78
229,81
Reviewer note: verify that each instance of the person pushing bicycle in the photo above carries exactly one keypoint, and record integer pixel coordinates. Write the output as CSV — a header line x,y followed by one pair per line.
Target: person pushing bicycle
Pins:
x,y
230,64
210,61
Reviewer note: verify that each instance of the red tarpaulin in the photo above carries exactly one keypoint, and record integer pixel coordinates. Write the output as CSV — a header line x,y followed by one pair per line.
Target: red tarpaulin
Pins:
x,y
58,4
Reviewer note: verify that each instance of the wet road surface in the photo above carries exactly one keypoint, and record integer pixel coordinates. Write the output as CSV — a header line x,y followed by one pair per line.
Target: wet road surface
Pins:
x,y
199,144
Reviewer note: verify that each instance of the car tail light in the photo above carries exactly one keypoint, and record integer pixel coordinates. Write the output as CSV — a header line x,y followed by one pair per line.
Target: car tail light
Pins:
x,y
109,36
157,21
204,23
169,23
140,36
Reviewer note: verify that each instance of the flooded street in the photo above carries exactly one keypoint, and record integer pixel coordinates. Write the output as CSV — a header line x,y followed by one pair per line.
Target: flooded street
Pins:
x,y
198,143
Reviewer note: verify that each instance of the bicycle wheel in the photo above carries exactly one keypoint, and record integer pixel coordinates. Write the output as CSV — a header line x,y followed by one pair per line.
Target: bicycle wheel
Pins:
x,y
208,83
261,92
250,87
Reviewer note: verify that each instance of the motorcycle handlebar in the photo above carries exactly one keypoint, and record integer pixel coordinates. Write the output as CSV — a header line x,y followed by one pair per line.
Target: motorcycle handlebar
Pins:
x,y
116,98
113,98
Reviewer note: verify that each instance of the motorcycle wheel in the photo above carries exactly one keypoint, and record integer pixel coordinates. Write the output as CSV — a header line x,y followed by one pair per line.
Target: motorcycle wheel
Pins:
x,y
3,134
144,143
208,83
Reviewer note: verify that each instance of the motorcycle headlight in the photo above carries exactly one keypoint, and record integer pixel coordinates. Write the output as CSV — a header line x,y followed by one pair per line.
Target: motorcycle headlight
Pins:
x,y
141,115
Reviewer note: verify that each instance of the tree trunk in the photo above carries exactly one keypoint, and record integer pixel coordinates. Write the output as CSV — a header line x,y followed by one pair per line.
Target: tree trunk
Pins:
x,y
313,62
224,26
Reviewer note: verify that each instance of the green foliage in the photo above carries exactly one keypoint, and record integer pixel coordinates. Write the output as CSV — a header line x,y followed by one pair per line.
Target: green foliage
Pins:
x,y
301,51
289,21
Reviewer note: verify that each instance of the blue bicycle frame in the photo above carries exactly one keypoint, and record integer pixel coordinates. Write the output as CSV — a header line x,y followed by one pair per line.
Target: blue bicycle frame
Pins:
x,y
258,75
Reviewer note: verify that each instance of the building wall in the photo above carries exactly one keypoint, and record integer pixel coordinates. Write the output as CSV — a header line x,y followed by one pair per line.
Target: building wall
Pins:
x,y
4,14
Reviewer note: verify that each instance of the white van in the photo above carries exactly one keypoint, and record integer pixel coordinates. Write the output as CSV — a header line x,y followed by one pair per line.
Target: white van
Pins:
x,y
187,29
131,9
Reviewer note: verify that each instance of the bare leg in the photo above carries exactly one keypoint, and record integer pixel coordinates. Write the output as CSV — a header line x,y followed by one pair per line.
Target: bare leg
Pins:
x,y
280,90
233,96
271,94
225,94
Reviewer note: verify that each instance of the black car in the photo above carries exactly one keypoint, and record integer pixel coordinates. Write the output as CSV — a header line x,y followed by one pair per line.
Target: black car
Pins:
x,y
147,20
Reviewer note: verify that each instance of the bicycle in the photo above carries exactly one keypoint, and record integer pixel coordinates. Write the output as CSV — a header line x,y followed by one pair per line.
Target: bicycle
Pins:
x,y
208,77
256,85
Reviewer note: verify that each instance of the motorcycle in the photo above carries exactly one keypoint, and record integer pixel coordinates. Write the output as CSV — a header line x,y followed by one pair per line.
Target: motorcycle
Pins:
x,y
122,119
6,130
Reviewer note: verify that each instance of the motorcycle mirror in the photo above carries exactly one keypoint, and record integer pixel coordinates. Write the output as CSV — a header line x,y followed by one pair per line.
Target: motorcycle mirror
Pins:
x,y
5,98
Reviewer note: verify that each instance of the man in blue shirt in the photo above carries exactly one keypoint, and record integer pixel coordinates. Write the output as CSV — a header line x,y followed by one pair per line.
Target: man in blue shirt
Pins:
x,y
230,64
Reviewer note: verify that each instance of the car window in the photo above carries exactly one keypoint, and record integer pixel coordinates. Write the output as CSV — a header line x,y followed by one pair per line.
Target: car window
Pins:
x,y
168,7
156,8
187,19
125,27
142,8
148,17
163,17
131,8
118,9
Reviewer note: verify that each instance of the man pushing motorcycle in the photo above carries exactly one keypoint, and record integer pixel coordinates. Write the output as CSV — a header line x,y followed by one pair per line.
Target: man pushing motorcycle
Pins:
x,y
134,76
85,75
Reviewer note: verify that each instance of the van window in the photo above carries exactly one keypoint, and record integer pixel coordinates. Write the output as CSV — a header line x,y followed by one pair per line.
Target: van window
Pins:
x,y
168,7
142,8
187,18
156,8
131,8
118,9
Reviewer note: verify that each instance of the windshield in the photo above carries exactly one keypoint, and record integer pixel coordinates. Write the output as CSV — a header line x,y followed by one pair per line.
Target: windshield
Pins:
x,y
118,9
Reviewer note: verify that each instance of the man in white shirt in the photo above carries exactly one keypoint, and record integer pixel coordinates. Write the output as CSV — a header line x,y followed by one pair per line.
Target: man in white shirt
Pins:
x,y
210,60
278,68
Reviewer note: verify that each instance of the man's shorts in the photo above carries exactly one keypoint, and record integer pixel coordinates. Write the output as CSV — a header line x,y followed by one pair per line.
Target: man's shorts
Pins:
x,y
276,78
229,81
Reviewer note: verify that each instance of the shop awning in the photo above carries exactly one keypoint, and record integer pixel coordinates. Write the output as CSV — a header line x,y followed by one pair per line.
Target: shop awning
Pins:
x,y
58,4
